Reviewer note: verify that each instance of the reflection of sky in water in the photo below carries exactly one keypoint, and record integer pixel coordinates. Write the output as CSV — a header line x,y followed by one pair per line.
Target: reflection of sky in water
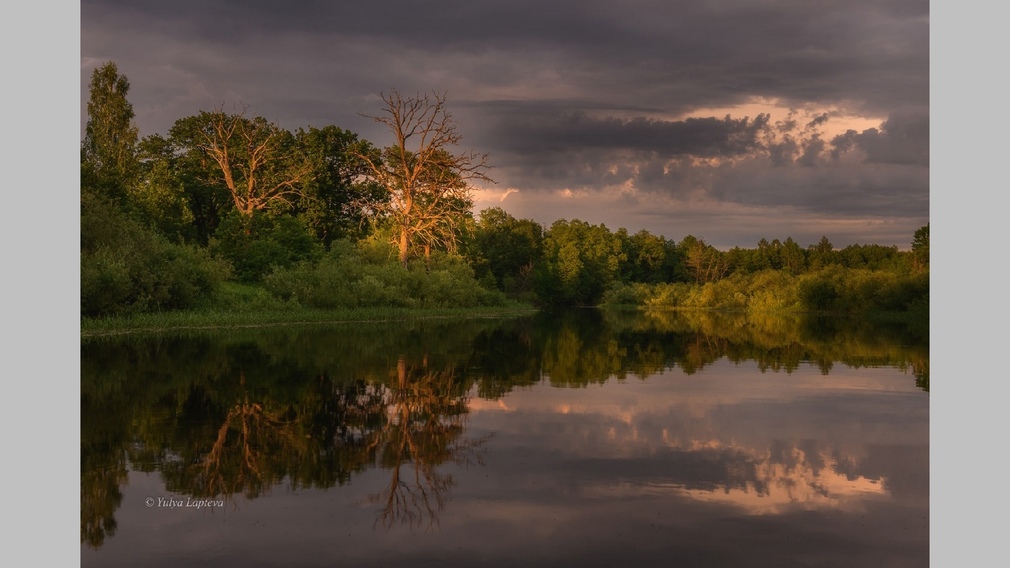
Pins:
x,y
762,442
728,466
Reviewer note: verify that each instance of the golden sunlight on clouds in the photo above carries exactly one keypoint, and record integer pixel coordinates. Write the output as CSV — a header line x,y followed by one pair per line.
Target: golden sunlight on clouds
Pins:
x,y
839,120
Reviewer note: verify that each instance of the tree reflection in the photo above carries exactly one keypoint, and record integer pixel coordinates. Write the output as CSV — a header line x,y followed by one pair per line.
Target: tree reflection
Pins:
x,y
244,457
100,498
920,370
425,420
104,467
410,422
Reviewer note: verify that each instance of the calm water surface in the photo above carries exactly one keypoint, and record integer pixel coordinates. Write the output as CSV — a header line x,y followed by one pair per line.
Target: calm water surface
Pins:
x,y
577,438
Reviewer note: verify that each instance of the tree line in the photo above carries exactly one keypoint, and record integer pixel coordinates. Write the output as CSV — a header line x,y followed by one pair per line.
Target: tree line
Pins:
x,y
321,218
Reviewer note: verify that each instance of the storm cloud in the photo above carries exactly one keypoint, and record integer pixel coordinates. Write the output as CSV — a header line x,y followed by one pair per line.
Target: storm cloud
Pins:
x,y
822,107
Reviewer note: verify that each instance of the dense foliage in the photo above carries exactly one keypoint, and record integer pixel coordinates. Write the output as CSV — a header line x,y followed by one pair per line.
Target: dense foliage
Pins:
x,y
128,268
320,218
346,278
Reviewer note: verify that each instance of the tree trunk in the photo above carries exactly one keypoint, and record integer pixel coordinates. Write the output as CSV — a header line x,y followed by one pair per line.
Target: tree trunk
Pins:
x,y
403,247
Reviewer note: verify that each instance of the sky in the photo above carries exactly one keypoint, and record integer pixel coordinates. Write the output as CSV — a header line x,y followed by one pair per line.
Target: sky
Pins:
x,y
729,120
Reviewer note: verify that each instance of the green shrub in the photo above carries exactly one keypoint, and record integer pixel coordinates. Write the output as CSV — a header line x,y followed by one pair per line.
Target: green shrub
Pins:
x,y
670,295
772,290
862,290
634,294
449,281
258,245
240,297
127,268
344,279
818,293
106,284
324,284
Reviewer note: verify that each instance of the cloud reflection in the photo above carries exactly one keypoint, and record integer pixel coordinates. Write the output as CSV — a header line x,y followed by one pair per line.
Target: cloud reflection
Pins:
x,y
761,443
764,485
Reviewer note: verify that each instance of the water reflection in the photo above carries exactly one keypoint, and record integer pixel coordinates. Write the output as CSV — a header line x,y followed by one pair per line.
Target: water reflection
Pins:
x,y
786,478
396,414
424,422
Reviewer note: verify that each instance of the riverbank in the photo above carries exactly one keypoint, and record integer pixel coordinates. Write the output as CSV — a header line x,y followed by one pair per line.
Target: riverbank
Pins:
x,y
225,319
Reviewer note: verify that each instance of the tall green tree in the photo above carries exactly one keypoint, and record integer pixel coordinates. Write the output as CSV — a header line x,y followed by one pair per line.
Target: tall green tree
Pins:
x,y
506,249
765,256
821,254
794,260
872,257
109,150
920,247
336,201
648,258
160,196
580,262
179,156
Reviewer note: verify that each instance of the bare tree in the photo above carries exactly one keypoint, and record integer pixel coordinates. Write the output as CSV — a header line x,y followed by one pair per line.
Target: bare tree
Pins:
x,y
254,158
429,186
705,262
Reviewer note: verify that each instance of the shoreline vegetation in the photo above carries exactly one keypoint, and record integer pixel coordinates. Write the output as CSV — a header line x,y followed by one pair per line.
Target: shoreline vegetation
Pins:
x,y
230,220
292,315
209,319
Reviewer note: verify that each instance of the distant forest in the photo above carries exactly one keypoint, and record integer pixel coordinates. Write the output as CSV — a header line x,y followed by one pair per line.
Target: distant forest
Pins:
x,y
228,208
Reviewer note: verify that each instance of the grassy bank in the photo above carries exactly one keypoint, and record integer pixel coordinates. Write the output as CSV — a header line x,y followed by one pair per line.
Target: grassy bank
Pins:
x,y
241,305
215,318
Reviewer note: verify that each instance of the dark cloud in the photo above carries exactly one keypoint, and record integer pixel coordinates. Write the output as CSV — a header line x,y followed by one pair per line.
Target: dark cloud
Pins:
x,y
898,190
903,139
873,55
703,137
782,153
547,149
583,95
819,120
812,150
